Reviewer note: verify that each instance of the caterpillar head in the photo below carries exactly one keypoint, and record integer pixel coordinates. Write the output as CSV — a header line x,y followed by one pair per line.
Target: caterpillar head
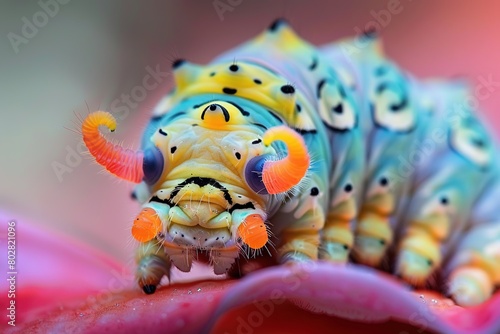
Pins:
x,y
210,174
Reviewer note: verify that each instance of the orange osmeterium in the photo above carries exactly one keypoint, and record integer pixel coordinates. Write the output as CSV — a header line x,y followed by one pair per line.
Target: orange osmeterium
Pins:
x,y
281,175
124,163
147,225
253,232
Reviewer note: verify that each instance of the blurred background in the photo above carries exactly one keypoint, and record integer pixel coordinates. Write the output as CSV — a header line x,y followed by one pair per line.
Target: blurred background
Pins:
x,y
60,59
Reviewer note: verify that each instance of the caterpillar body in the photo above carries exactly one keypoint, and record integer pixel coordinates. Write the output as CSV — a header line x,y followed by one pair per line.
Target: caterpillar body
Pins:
x,y
326,153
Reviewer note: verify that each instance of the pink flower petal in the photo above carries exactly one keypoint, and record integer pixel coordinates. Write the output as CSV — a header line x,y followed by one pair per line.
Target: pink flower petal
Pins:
x,y
360,294
64,286
52,269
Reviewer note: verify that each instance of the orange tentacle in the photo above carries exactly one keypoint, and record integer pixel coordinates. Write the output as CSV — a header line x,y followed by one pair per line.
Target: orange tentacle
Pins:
x,y
124,163
280,176
253,231
146,225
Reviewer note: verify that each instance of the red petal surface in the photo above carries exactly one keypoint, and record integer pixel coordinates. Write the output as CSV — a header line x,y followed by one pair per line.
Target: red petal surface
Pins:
x,y
65,287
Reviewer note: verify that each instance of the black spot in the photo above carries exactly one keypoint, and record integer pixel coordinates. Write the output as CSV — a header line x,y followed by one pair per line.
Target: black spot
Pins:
x,y
314,64
230,91
212,74
429,262
213,107
400,106
275,25
233,68
162,132
345,247
177,63
149,289
306,132
380,88
478,142
173,149
299,108
371,33
156,118
383,181
444,200
348,188
238,155
382,242
133,195
275,116
314,191
288,89
257,81
338,109
256,141
320,85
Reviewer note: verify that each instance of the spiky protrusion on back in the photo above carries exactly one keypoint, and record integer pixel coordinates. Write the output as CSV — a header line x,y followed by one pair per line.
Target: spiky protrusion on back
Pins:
x,y
280,176
124,163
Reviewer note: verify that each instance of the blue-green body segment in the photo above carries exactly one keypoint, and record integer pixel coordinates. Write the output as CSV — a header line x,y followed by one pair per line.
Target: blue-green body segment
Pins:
x,y
401,169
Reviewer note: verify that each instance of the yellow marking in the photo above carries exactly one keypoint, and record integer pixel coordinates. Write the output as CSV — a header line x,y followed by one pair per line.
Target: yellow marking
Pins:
x,y
192,80
382,204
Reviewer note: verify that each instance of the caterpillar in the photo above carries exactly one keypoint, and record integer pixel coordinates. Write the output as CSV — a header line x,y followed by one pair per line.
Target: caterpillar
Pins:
x,y
331,153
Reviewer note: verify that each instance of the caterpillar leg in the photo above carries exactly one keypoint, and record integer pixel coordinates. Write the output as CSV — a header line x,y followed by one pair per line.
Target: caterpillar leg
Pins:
x,y
419,255
337,236
475,268
152,261
421,244
152,264
373,230
299,246
305,216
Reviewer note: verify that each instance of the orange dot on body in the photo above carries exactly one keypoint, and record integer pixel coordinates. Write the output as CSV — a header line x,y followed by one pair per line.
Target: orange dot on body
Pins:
x,y
146,225
253,231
